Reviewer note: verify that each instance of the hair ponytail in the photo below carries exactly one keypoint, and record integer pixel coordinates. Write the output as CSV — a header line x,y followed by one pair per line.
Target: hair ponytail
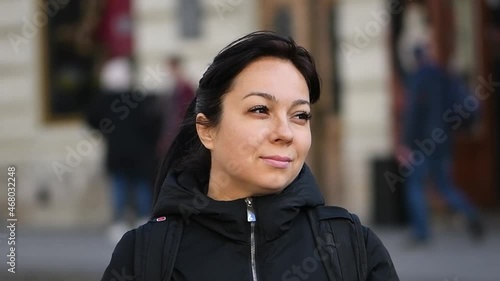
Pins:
x,y
186,150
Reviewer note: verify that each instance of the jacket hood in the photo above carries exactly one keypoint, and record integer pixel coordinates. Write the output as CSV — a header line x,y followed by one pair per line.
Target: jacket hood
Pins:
x,y
183,194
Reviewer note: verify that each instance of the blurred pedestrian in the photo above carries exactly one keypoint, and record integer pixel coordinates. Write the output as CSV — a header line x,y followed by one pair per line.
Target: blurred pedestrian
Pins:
x,y
431,92
130,128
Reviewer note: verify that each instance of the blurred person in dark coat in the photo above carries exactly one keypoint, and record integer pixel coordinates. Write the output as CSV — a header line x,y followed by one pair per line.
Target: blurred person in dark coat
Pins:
x,y
431,92
131,129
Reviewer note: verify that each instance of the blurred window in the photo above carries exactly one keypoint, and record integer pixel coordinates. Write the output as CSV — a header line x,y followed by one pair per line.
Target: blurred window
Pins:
x,y
190,18
283,22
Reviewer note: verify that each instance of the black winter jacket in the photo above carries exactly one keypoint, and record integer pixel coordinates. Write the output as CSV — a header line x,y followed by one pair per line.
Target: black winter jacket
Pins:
x,y
216,240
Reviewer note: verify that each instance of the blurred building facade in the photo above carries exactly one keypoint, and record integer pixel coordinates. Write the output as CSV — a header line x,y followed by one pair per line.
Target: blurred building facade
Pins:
x,y
59,160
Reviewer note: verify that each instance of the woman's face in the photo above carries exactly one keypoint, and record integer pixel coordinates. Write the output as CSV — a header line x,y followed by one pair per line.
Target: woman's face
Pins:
x,y
263,136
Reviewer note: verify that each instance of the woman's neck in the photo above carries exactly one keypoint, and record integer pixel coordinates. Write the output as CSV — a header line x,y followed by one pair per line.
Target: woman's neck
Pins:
x,y
222,188
225,192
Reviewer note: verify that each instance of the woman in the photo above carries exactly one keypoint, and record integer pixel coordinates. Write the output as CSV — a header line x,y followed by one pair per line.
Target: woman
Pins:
x,y
236,176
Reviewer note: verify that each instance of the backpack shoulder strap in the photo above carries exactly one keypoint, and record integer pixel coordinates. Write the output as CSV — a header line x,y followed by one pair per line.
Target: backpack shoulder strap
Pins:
x,y
339,236
156,246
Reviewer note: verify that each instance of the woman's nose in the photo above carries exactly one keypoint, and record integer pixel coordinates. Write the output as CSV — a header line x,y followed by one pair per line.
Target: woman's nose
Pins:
x,y
282,132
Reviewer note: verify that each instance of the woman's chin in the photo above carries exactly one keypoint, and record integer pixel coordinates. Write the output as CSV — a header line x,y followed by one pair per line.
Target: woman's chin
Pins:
x,y
272,187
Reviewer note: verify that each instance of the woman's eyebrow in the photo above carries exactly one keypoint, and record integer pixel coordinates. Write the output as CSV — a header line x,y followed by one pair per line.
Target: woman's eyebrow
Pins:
x,y
300,102
260,94
273,98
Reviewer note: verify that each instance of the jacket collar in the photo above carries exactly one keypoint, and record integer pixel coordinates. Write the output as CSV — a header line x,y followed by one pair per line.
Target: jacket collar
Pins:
x,y
183,194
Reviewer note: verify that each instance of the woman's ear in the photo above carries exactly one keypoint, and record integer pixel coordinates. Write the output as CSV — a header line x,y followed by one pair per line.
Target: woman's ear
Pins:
x,y
205,133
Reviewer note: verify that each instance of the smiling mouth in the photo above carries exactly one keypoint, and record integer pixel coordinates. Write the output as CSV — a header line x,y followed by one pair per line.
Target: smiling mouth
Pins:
x,y
277,161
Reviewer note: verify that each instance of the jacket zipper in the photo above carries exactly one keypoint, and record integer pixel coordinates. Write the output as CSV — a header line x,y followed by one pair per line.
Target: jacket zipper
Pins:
x,y
251,218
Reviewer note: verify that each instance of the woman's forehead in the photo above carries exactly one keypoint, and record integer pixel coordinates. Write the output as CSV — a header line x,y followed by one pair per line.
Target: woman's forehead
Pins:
x,y
276,77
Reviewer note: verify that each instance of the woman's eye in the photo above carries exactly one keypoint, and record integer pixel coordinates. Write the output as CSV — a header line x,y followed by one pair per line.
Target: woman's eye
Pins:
x,y
303,115
259,109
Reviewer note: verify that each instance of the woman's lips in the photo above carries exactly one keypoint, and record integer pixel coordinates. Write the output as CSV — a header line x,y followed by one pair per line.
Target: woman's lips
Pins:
x,y
279,162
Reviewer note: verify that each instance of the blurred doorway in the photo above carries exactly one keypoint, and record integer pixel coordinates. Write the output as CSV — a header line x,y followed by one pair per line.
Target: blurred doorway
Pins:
x,y
489,34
